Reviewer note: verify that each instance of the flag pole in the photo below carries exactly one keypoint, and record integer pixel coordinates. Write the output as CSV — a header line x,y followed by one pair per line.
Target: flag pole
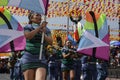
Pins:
x,y
42,42
43,34
96,33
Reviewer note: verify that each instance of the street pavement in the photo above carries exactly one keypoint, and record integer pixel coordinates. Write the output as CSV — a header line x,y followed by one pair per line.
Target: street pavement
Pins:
x,y
6,77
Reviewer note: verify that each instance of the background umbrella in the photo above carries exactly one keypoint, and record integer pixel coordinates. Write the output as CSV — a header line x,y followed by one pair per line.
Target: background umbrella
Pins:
x,y
112,42
116,44
11,33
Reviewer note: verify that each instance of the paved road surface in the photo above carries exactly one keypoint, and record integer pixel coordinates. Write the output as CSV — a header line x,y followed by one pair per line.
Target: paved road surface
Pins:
x,y
6,77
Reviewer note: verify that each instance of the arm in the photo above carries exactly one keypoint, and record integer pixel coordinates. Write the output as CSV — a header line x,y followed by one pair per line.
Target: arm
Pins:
x,y
31,34
66,55
48,39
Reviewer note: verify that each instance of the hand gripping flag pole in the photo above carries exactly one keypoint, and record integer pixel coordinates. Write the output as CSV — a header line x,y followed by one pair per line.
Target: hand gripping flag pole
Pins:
x,y
43,34
42,42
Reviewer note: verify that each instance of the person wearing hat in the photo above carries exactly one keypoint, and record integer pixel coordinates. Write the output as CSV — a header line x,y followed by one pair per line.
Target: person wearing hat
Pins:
x,y
34,68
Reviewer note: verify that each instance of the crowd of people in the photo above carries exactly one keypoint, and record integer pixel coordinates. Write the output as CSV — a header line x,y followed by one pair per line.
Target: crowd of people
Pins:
x,y
3,65
115,56
63,63
58,62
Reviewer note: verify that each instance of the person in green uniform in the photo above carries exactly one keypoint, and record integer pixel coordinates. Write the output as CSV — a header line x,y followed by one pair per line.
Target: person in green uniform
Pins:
x,y
67,64
34,68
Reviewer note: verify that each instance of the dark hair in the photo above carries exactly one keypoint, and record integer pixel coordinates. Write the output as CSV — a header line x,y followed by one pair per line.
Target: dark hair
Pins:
x,y
76,21
29,17
59,41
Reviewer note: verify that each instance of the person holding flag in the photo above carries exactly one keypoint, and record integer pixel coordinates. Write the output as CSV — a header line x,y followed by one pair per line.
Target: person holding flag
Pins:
x,y
76,17
33,68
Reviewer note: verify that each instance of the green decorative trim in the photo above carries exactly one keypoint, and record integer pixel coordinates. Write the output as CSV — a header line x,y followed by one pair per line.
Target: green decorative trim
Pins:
x,y
100,22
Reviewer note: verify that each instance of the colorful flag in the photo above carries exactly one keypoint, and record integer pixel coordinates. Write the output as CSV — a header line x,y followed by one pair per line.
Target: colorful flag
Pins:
x,y
39,6
95,37
11,33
